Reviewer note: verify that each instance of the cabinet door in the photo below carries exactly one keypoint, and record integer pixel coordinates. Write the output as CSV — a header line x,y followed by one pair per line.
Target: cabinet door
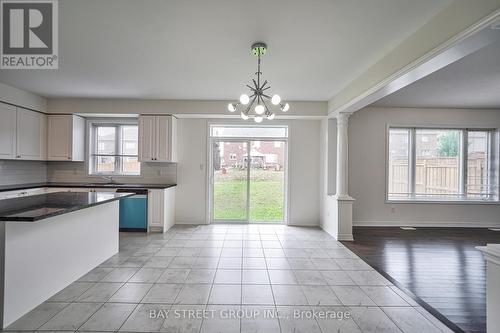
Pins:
x,y
147,142
60,137
7,131
169,212
30,134
163,153
155,208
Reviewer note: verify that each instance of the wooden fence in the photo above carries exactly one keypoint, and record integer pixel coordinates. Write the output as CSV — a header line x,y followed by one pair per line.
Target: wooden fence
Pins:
x,y
438,175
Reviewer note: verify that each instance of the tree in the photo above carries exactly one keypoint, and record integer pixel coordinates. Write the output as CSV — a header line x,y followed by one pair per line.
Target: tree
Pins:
x,y
448,144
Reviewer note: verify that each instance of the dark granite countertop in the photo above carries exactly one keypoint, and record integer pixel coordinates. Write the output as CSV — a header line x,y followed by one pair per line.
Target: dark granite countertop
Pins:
x,y
38,207
89,185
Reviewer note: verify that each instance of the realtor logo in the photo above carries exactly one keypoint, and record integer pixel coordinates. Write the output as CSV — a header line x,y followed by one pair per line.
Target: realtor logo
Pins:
x,y
29,34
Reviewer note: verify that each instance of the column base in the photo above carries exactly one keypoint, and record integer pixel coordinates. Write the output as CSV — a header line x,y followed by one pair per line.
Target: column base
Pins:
x,y
340,213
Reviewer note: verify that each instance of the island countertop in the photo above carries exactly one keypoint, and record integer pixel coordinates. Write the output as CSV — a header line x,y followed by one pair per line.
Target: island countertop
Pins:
x,y
38,207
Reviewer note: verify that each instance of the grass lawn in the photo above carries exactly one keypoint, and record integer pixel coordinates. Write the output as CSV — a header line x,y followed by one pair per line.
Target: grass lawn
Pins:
x,y
266,195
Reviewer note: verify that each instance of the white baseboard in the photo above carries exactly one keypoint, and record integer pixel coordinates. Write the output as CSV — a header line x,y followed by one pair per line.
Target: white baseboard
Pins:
x,y
190,222
304,224
451,224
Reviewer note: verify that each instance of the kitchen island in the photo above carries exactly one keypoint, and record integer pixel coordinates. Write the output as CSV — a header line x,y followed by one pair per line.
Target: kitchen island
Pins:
x,y
48,241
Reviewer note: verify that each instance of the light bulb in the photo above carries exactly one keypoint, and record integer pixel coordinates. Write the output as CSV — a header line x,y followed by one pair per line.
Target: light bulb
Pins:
x,y
244,99
231,107
258,119
276,99
271,116
285,107
244,116
259,109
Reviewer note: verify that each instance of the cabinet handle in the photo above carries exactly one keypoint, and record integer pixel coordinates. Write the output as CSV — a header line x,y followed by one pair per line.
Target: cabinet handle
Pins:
x,y
18,156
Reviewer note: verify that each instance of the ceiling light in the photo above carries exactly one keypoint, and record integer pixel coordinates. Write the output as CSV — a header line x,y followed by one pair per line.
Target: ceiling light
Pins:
x,y
258,95
276,99
244,99
259,109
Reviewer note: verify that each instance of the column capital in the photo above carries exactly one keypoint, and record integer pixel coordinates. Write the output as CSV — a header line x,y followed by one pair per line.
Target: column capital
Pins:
x,y
342,118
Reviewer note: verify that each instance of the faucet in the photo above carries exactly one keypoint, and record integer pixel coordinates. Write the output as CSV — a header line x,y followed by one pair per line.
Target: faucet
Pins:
x,y
109,179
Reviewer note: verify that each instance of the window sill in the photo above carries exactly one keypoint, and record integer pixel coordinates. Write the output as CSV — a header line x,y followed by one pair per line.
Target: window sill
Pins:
x,y
443,201
113,175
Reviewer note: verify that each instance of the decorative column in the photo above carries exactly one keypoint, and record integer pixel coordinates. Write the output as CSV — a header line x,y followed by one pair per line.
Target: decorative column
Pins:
x,y
343,202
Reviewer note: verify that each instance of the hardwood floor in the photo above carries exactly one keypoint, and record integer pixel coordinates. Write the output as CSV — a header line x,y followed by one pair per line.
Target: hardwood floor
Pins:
x,y
440,266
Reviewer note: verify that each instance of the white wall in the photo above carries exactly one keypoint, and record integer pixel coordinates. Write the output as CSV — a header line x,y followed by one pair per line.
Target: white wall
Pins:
x,y
328,169
303,164
304,172
11,95
367,154
190,194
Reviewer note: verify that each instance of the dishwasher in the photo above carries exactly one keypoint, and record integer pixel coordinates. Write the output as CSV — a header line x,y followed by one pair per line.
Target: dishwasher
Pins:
x,y
134,210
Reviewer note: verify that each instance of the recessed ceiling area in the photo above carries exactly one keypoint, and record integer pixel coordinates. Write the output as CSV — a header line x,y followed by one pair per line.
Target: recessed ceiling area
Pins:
x,y
190,49
472,82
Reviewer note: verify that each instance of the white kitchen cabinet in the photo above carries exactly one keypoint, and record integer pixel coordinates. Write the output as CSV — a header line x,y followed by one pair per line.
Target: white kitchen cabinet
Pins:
x,y
31,136
157,138
7,131
147,140
66,138
161,210
23,133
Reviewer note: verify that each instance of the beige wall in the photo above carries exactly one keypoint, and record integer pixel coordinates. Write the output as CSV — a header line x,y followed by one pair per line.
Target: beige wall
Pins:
x,y
303,166
367,163
180,107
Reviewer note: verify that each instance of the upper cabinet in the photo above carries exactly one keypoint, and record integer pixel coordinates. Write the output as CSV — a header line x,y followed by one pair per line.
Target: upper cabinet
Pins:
x,y
157,138
7,131
66,138
22,133
31,135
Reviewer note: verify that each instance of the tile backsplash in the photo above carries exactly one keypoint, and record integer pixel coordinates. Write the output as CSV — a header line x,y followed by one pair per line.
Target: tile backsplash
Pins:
x,y
151,173
22,172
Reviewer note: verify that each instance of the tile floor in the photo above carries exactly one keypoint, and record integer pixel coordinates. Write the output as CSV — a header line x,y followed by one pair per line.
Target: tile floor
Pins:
x,y
231,278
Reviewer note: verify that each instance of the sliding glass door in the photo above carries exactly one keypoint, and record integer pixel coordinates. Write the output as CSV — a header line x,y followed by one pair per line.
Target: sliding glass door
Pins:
x,y
230,181
248,182
267,181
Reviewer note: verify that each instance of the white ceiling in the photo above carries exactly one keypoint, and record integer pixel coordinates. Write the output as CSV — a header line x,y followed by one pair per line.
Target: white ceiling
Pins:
x,y
471,82
199,49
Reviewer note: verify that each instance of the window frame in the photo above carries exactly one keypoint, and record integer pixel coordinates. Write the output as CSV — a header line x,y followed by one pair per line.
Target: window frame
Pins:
x,y
92,125
492,161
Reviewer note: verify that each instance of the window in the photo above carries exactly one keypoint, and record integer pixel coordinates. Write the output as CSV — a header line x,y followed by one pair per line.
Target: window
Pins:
x,y
442,164
114,149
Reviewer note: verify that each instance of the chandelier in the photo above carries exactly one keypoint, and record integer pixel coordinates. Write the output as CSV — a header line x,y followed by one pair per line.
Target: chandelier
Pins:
x,y
258,95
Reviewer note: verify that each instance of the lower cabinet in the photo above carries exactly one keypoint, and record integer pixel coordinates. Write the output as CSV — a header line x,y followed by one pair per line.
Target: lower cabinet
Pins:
x,y
161,213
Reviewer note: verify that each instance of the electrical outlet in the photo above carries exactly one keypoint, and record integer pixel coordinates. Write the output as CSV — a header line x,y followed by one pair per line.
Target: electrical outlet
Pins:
x,y
201,167
393,209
